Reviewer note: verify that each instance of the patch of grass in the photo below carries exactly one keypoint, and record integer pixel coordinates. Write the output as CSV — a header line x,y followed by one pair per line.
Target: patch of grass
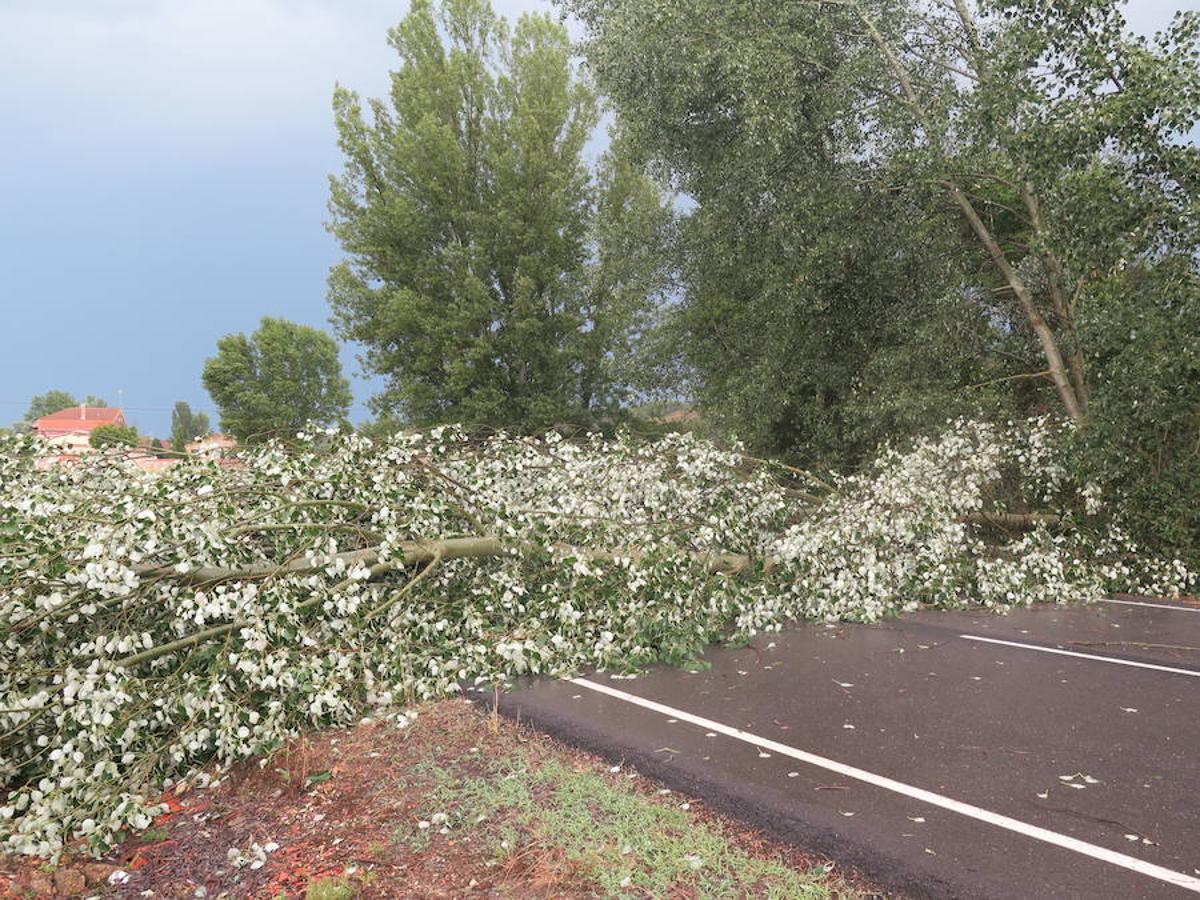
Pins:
x,y
331,889
604,831
469,802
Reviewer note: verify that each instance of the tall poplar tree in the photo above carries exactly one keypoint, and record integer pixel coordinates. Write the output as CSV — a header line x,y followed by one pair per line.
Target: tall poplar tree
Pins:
x,y
492,277
186,425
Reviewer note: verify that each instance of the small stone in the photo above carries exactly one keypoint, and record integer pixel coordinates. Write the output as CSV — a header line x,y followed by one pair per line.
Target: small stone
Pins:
x,y
40,885
70,881
97,873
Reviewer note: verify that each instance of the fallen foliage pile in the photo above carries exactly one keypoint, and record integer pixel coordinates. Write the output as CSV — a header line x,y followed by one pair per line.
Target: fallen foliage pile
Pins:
x,y
155,622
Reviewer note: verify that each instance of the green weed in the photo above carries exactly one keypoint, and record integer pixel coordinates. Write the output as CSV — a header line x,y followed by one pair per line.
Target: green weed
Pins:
x,y
331,889
608,833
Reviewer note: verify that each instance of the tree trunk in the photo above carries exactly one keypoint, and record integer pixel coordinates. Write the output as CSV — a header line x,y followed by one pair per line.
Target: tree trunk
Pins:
x,y
1058,301
1045,335
418,552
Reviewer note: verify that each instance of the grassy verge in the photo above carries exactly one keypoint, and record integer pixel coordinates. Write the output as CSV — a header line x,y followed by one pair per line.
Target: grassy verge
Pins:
x,y
566,826
452,804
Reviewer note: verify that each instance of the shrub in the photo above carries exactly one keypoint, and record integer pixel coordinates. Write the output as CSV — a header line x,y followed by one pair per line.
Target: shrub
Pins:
x,y
113,436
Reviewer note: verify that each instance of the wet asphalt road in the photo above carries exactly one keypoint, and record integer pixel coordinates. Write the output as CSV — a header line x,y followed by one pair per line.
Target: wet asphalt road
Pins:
x,y
1059,749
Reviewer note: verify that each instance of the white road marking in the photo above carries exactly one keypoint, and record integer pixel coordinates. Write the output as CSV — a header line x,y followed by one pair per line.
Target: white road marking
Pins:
x,y
1188,882
1108,659
1195,609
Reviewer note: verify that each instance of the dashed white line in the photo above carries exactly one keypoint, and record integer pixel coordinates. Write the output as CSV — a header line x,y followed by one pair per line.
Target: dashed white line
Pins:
x,y
1193,609
1092,656
1187,882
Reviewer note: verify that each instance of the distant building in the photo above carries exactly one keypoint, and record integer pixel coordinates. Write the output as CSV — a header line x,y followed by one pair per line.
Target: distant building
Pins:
x,y
68,433
148,462
214,444
70,429
680,417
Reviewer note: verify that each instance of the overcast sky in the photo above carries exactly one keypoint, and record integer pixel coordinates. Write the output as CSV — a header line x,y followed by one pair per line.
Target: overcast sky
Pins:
x,y
163,182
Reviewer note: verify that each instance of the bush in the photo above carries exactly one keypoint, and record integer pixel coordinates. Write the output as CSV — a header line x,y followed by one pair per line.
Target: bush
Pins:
x,y
114,436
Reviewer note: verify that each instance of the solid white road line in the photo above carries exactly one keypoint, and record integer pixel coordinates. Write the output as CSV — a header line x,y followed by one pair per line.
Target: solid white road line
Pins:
x,y
1108,659
1195,609
1103,854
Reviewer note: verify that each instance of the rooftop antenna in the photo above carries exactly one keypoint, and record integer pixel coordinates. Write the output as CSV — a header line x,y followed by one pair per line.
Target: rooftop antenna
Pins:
x,y
120,398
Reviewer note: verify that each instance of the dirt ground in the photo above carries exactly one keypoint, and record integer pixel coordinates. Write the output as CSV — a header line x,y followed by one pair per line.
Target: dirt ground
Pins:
x,y
456,803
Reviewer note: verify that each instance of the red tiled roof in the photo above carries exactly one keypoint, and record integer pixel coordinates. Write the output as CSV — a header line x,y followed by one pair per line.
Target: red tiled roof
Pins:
x,y
680,415
75,418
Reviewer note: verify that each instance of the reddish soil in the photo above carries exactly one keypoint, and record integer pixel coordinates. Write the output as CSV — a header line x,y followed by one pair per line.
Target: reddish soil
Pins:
x,y
344,804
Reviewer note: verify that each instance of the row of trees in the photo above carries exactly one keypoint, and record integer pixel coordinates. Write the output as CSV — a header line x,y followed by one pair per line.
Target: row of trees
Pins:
x,y
909,209
895,212
970,188
937,192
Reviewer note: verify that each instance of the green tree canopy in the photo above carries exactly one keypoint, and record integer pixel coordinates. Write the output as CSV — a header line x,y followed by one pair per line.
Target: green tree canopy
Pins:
x,y
492,278
49,402
54,401
186,425
277,380
113,436
908,208
1046,136
820,313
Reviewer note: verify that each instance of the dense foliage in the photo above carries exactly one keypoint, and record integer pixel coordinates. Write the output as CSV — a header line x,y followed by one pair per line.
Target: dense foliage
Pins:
x,y
493,277
1143,438
907,209
819,312
113,436
151,623
276,380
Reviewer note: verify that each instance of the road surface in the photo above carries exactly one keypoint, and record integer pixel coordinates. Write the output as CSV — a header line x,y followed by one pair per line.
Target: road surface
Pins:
x,y
1051,752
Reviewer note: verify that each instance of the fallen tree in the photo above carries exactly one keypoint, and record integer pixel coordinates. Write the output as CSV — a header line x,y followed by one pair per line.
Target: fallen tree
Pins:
x,y
152,624
410,553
